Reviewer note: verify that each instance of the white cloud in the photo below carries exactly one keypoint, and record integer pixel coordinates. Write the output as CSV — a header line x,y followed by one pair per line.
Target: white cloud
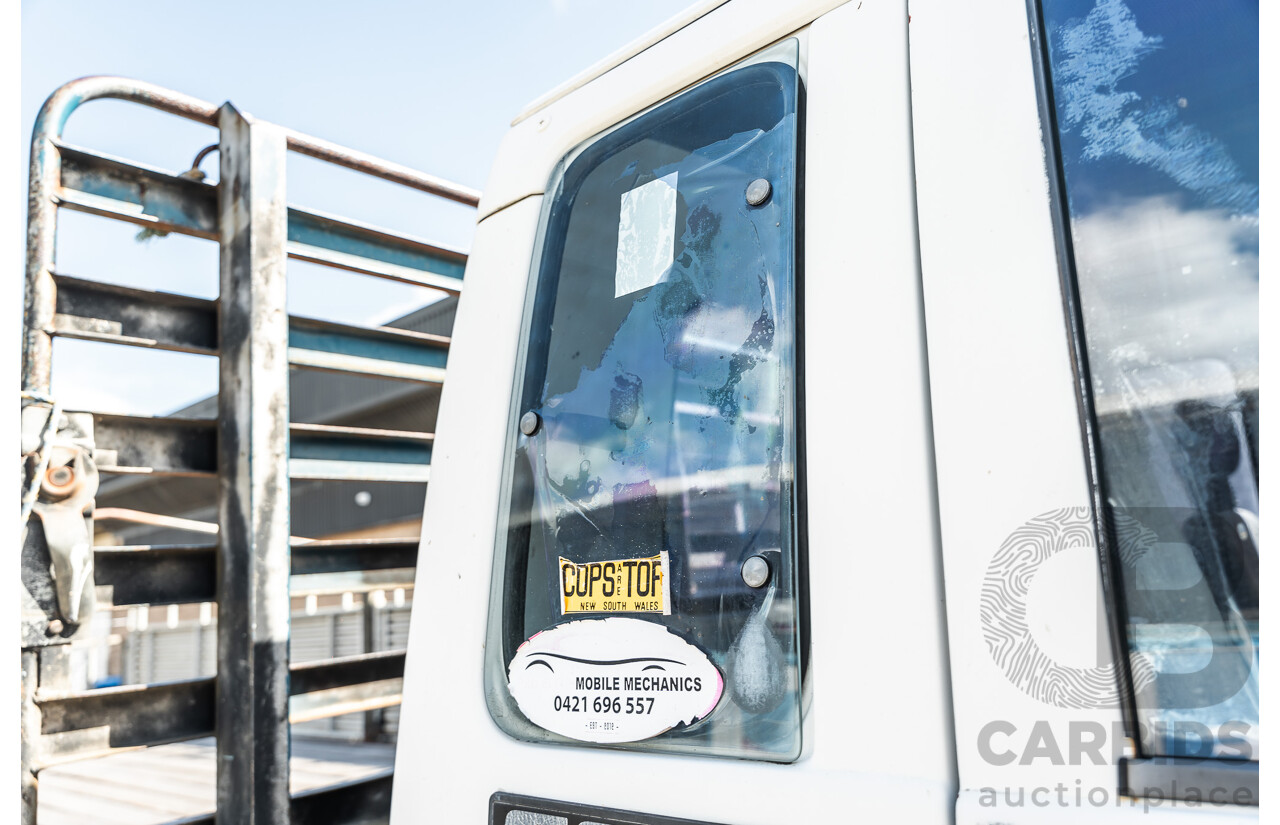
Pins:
x,y
1163,286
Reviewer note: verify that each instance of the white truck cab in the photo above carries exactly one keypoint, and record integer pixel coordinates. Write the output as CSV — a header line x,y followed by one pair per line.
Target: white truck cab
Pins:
x,y
852,415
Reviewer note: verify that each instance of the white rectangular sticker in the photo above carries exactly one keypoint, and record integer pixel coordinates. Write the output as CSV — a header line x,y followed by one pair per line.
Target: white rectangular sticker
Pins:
x,y
646,235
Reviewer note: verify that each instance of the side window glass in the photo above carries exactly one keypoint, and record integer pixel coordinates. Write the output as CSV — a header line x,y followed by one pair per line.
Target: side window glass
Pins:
x,y
646,579
1157,117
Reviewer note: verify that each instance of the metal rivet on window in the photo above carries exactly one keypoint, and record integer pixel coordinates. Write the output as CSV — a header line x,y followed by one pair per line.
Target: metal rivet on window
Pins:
x,y
758,191
755,571
530,422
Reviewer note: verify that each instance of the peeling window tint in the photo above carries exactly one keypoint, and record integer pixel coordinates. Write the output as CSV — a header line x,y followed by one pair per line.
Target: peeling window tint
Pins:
x,y
1157,115
661,368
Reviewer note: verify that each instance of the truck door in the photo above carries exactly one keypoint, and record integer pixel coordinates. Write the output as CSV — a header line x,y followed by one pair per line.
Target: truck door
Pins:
x,y
1087,204
682,487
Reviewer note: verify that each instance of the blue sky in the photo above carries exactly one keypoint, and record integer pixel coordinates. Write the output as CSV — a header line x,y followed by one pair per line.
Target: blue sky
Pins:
x,y
1158,114
1158,97
432,85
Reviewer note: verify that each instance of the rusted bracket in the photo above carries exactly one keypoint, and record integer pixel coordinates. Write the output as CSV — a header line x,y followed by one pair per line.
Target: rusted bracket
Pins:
x,y
57,534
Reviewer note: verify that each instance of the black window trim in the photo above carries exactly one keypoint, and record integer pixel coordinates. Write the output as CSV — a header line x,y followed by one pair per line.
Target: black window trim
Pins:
x,y
502,804
1139,775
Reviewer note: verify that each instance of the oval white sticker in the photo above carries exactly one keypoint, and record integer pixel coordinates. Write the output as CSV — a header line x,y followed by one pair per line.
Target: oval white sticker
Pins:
x,y
612,680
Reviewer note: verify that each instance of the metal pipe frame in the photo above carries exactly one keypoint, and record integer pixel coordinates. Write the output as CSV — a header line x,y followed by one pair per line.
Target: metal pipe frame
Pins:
x,y
253,476
46,174
77,725
169,446
183,574
248,705
42,205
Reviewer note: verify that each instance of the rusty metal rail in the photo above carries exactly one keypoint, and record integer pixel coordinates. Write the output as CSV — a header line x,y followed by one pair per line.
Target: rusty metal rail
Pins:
x,y
77,725
251,448
138,445
47,186
185,574
107,313
112,188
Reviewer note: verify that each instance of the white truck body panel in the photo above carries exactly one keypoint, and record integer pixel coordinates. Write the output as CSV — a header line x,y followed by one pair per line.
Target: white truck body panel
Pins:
x,y
924,451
